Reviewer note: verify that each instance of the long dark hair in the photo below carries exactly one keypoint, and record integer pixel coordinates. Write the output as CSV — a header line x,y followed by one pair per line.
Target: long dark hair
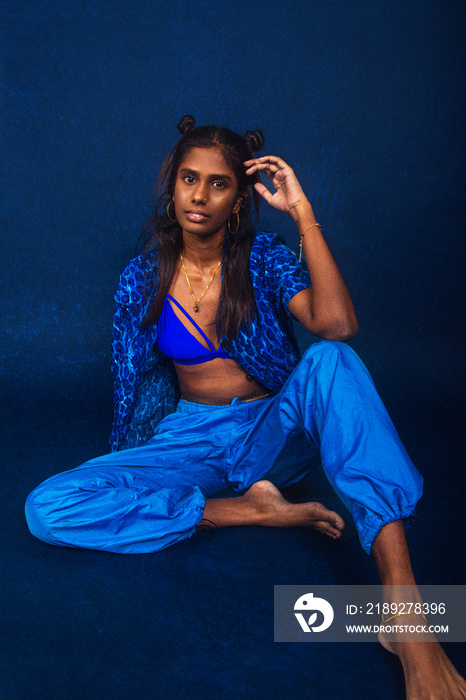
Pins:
x,y
237,303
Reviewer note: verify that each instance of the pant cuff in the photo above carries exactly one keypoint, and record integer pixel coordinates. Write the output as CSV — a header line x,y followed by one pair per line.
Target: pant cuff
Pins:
x,y
369,532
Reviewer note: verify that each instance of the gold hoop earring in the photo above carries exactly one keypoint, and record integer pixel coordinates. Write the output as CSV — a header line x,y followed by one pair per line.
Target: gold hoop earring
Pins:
x,y
237,224
175,221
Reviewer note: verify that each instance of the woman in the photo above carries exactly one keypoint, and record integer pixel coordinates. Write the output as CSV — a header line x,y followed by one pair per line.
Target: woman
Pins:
x,y
210,391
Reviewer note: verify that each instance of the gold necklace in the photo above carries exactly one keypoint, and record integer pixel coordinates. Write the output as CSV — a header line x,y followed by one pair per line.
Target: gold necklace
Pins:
x,y
196,301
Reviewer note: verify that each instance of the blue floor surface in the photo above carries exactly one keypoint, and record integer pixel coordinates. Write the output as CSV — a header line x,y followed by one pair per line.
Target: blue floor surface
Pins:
x,y
194,621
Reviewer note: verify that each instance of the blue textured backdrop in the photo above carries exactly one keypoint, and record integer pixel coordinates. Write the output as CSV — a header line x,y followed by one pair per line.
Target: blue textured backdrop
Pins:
x,y
366,101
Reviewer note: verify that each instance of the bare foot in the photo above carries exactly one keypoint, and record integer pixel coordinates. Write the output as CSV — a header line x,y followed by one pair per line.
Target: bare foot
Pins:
x,y
275,511
429,674
264,505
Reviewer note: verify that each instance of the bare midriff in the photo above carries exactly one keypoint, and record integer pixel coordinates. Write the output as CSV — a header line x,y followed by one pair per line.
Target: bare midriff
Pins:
x,y
217,382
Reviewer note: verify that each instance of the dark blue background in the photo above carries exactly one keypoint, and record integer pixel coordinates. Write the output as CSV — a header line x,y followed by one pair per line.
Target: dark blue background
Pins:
x,y
366,101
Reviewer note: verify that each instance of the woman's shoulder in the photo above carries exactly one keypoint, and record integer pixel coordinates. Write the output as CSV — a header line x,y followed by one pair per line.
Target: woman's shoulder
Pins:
x,y
271,249
136,278
264,240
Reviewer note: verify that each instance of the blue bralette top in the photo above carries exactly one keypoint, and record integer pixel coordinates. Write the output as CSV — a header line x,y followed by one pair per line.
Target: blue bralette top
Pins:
x,y
177,342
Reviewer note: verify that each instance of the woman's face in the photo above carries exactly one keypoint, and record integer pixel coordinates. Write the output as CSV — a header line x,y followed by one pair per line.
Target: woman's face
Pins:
x,y
206,192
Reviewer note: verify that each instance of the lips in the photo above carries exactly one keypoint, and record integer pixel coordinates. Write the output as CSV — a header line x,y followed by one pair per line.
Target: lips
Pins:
x,y
197,216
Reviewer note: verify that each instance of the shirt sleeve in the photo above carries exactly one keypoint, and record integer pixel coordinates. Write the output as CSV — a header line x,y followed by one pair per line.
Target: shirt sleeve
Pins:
x,y
129,346
287,274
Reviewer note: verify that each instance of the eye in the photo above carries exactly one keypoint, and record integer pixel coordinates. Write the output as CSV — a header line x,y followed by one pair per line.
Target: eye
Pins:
x,y
189,179
219,184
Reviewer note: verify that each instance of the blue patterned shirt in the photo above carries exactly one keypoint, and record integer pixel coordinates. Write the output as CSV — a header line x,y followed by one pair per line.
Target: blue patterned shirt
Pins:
x,y
145,384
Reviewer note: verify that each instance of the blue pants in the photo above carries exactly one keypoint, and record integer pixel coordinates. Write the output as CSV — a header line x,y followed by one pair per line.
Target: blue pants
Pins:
x,y
143,499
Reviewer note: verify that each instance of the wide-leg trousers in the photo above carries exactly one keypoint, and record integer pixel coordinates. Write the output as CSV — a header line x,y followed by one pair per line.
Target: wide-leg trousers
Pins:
x,y
143,499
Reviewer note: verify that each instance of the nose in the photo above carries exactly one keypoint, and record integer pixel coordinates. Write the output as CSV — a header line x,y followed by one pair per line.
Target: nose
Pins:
x,y
200,194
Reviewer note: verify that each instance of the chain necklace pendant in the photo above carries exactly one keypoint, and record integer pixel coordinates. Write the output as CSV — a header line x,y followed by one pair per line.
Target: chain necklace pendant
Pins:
x,y
191,291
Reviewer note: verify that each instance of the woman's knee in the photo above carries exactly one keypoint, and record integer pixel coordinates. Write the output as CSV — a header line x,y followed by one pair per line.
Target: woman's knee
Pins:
x,y
330,357
329,350
36,511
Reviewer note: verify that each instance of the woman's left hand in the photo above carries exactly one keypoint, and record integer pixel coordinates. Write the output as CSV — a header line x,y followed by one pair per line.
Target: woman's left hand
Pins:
x,y
289,193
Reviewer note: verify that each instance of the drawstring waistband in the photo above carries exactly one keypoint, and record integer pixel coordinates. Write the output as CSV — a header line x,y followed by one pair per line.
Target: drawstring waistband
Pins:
x,y
235,400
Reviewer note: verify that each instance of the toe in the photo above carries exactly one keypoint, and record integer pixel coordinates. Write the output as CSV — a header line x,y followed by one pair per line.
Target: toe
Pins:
x,y
337,521
327,529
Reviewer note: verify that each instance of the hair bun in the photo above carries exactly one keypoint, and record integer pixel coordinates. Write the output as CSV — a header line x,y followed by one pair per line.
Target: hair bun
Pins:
x,y
255,139
186,124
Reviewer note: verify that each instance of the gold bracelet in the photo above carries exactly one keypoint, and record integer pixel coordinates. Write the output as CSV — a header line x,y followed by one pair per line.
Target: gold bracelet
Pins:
x,y
302,237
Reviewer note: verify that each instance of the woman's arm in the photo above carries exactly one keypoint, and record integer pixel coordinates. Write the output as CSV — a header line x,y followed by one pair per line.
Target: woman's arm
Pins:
x,y
326,308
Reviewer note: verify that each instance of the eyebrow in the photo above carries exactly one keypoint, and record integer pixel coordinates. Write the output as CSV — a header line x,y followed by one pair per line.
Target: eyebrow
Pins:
x,y
221,176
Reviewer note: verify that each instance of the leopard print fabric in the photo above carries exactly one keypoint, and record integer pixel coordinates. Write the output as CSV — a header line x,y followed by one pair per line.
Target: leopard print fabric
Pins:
x,y
145,386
